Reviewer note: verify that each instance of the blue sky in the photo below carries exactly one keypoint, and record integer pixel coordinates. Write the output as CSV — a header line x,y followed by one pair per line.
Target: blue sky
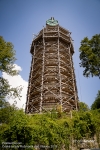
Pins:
x,y
19,19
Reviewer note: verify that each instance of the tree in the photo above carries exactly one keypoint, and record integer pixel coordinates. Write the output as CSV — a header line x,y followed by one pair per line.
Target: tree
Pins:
x,y
43,130
96,103
7,59
83,106
17,129
90,56
6,111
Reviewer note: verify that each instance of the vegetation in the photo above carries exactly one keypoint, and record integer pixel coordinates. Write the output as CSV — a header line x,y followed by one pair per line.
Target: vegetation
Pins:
x,y
48,129
90,56
7,59
83,106
96,103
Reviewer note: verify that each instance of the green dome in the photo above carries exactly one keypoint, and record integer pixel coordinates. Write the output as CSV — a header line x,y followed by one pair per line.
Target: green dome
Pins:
x,y
52,22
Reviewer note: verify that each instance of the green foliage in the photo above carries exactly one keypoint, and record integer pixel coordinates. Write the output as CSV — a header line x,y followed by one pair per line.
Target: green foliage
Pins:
x,y
96,103
90,56
17,129
59,110
7,59
84,125
6,111
7,91
45,129
96,120
83,106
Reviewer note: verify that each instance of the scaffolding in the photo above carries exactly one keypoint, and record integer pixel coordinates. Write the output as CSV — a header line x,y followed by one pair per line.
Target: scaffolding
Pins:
x,y
52,79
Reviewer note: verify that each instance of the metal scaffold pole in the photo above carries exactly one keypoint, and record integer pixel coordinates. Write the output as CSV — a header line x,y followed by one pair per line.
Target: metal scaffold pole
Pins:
x,y
73,78
43,57
59,72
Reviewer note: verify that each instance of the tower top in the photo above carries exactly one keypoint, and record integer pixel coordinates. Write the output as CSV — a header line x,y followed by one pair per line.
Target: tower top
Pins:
x,y
52,22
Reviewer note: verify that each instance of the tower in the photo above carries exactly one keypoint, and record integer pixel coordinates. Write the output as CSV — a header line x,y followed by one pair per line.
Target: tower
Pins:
x,y
52,79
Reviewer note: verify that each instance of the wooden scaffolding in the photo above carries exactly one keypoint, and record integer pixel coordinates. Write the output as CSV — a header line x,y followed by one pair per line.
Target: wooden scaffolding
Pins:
x,y
52,79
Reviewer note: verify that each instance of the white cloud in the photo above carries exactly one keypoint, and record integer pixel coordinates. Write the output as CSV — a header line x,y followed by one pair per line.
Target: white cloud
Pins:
x,y
14,82
17,67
